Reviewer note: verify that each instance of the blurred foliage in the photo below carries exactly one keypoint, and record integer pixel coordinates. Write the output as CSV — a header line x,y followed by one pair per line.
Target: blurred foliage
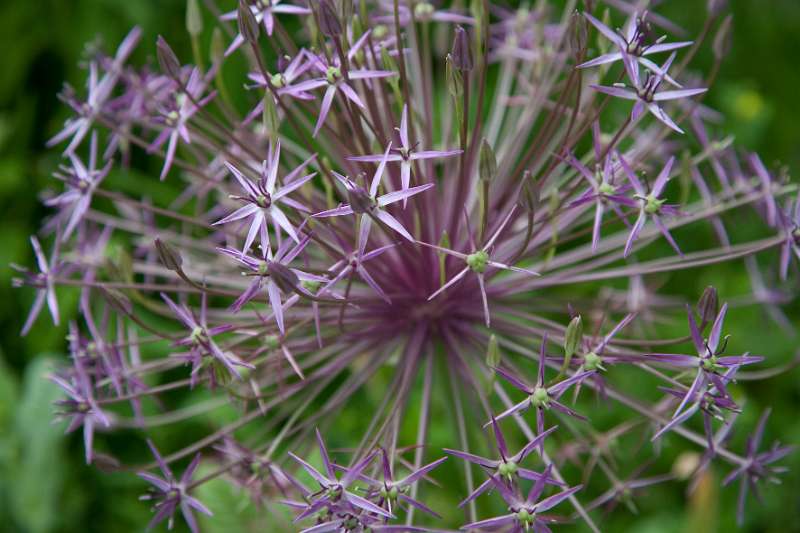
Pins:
x,y
44,485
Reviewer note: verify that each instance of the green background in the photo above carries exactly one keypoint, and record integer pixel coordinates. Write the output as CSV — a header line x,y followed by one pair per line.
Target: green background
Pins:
x,y
44,485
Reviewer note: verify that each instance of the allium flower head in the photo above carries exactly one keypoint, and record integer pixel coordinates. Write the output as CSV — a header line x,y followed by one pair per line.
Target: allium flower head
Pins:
x,y
389,223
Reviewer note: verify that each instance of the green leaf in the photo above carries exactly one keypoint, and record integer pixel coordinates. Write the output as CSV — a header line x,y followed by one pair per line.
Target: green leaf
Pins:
x,y
38,472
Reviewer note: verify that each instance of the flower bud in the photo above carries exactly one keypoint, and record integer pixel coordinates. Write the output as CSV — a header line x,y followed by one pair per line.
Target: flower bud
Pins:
x,y
529,195
462,50
194,18
328,21
708,305
168,256
248,25
118,301
167,60
488,162
283,276
578,34
715,7
217,46
493,353
722,40
572,338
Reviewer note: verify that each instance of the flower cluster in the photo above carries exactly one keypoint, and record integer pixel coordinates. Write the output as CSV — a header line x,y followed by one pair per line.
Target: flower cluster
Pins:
x,y
402,198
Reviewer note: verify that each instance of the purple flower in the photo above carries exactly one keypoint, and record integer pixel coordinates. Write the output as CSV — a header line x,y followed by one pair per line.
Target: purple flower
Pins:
x,y
524,514
507,468
43,281
264,12
176,115
273,272
709,365
790,222
81,183
333,491
99,91
363,202
170,494
200,340
603,191
651,204
80,407
262,198
541,396
392,493
632,47
646,95
478,261
406,154
335,78
757,466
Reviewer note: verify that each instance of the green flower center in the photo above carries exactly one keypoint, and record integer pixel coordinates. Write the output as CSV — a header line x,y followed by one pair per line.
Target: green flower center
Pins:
x,y
525,517
539,397
605,188
507,469
277,80
333,74
198,335
652,205
478,261
592,361
423,11
264,200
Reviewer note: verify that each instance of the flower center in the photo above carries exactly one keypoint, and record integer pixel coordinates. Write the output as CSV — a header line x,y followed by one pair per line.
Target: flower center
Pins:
x,y
478,261
423,11
652,205
333,74
540,398
592,361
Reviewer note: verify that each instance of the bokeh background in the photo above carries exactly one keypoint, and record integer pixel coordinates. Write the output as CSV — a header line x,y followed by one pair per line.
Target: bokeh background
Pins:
x,y
44,485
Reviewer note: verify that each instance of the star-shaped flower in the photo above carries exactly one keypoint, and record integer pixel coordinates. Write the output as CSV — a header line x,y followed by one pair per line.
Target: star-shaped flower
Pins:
x,y
406,153
171,494
367,203
478,261
262,198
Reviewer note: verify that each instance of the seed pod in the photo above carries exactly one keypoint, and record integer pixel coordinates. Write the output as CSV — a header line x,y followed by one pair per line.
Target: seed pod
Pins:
x,y
167,60
168,256
359,199
462,50
283,276
248,25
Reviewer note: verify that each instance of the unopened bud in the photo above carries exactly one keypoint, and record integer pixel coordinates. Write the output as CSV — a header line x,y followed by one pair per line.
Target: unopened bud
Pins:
x,y
167,60
168,256
329,24
715,7
708,305
217,45
462,50
529,195
722,40
118,301
578,34
493,353
283,276
573,337
488,162
194,18
248,25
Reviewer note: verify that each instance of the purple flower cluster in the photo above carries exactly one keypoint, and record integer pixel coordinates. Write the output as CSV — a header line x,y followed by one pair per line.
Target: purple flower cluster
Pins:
x,y
406,197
